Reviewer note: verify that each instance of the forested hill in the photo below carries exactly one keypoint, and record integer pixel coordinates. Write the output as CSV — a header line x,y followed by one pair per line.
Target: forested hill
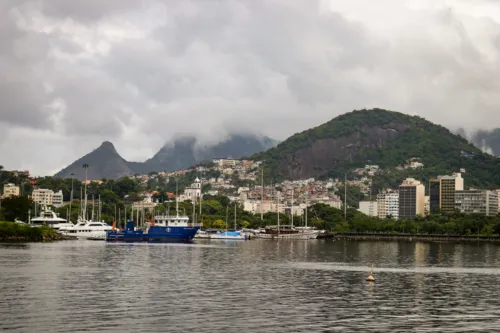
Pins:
x,y
385,138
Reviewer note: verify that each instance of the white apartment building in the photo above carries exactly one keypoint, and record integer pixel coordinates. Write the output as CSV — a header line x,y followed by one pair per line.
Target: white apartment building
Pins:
x,y
254,207
57,199
43,196
388,205
368,208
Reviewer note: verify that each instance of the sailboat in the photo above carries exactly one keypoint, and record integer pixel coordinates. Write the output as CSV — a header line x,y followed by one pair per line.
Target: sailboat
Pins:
x,y
288,231
234,235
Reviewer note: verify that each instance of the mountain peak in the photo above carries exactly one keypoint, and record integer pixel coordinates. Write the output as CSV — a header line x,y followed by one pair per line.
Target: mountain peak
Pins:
x,y
107,145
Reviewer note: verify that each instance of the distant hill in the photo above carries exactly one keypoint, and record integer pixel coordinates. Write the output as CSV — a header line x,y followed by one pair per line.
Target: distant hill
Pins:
x,y
184,152
180,154
104,162
381,137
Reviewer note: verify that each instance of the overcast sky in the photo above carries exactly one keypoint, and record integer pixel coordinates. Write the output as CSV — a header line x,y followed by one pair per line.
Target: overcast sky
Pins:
x,y
75,73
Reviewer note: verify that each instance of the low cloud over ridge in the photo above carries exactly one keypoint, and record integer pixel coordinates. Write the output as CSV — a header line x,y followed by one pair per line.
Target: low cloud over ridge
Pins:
x,y
137,73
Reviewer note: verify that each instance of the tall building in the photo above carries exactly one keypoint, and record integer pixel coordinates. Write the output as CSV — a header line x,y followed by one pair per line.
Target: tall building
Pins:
x,y
43,196
10,190
442,192
388,205
411,199
368,208
477,202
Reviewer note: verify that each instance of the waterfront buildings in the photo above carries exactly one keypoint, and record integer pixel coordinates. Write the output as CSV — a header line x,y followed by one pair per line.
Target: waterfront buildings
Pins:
x,y
368,208
411,198
481,202
388,205
42,196
47,197
442,192
10,190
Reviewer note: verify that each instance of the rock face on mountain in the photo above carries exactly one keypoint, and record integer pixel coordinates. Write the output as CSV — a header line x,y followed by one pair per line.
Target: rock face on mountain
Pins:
x,y
376,136
103,162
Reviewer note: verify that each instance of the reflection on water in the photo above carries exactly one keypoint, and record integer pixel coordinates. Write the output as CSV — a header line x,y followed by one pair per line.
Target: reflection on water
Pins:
x,y
258,286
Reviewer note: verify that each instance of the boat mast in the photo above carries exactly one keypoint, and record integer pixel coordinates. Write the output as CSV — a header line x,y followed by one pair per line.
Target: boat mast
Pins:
x,y
86,167
291,210
235,228
93,204
177,196
262,193
278,210
307,196
227,210
345,196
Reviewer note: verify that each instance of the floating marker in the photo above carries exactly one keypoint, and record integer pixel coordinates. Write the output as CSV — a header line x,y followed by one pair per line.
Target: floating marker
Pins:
x,y
370,277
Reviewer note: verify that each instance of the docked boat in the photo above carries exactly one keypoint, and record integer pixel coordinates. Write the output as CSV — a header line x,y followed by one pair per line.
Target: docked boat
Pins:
x,y
92,230
49,218
206,233
163,228
286,232
234,235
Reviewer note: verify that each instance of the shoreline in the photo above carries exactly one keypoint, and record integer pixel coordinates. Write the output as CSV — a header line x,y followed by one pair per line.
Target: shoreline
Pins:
x,y
411,238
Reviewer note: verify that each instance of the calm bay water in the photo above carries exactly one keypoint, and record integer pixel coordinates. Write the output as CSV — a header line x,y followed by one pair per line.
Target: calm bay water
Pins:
x,y
253,286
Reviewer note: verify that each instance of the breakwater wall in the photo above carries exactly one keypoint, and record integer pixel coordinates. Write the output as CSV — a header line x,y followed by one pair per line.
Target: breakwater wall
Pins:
x,y
429,238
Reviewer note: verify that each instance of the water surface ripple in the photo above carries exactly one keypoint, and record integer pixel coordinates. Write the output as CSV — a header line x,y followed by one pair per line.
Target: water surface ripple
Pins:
x,y
254,286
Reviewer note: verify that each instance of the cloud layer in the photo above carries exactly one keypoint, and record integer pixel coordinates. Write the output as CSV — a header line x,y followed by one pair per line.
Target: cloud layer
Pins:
x,y
75,73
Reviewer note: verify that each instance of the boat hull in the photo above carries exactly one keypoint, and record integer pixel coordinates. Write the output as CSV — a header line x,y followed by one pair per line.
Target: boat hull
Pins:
x,y
299,235
155,234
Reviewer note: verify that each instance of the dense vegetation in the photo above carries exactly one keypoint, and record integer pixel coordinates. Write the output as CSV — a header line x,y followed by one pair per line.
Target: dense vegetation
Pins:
x,y
434,145
10,231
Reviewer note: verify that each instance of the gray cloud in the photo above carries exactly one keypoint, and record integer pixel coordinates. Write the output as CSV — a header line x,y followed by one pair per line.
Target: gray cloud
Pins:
x,y
137,73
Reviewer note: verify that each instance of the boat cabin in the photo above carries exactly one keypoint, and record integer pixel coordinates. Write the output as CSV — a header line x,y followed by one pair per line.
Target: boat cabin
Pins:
x,y
171,221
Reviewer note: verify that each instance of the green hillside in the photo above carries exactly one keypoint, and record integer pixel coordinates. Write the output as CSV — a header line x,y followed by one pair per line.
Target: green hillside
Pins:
x,y
385,138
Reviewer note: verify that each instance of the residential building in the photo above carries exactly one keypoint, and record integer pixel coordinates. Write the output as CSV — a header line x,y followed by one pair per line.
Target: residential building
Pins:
x,y
411,199
10,190
482,202
255,207
388,205
43,196
368,208
442,192
57,199
146,203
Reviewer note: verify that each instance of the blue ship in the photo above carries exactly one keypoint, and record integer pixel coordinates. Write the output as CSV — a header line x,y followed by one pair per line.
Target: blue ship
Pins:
x,y
162,229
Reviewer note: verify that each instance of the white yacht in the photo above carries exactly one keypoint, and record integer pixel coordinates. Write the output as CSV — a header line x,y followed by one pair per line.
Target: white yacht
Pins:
x,y
92,230
50,218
